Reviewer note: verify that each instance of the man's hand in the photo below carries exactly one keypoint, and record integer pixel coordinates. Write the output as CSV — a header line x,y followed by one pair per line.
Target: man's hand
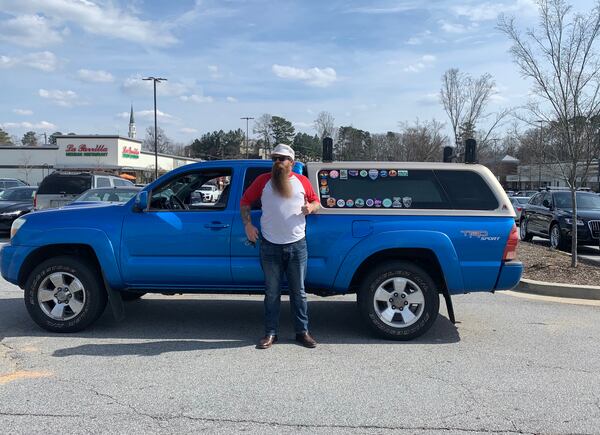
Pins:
x,y
306,208
251,232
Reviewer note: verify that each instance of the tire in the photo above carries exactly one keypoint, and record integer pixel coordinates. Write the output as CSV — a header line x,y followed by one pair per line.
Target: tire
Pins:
x,y
410,288
72,310
557,240
523,233
131,296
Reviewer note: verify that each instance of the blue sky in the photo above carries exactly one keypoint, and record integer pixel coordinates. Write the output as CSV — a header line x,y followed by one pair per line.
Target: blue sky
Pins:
x,y
76,65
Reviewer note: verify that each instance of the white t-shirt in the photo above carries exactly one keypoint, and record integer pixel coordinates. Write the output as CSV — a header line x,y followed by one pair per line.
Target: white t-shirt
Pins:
x,y
282,220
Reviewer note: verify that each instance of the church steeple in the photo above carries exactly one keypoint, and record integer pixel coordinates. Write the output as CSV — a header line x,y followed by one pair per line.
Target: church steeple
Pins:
x,y
131,124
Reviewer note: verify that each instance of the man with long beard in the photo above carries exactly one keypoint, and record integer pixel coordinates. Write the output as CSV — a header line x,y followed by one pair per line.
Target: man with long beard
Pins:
x,y
286,199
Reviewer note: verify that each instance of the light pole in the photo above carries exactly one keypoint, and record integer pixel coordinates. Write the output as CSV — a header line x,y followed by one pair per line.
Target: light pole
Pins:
x,y
247,118
155,79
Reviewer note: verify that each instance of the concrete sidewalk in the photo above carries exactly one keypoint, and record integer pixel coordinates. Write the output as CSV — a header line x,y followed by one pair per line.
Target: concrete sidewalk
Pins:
x,y
557,289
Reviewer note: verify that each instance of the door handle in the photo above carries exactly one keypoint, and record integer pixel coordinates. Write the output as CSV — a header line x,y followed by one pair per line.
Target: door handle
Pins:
x,y
216,225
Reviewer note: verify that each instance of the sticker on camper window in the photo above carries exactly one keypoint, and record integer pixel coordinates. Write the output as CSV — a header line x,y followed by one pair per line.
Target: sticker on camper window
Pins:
x,y
341,203
397,202
383,173
349,203
343,174
373,174
369,202
360,203
377,203
387,203
402,173
353,172
407,201
330,202
364,173
392,173
334,174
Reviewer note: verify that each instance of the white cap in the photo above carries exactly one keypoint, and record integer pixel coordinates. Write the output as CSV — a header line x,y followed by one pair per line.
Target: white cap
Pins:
x,y
284,150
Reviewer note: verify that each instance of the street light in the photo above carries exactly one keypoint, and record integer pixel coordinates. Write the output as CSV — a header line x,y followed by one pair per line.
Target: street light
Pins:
x,y
247,118
155,79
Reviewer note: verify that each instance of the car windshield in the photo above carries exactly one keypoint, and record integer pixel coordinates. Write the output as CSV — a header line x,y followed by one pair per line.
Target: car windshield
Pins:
x,y
17,194
523,200
107,195
585,201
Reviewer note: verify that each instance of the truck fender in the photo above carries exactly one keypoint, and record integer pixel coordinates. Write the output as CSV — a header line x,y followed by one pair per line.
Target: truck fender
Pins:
x,y
93,237
437,242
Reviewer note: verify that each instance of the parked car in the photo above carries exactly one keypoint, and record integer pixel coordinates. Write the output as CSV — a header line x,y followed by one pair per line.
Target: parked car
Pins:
x,y
6,183
14,203
107,194
549,214
527,193
397,234
60,188
518,203
209,192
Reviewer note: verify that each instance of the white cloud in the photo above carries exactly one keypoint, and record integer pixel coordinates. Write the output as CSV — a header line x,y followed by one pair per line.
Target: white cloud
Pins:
x,y
232,99
137,86
188,130
44,61
23,112
452,27
99,76
104,19
43,125
490,11
214,71
312,76
62,98
421,64
196,98
29,31
149,115
383,10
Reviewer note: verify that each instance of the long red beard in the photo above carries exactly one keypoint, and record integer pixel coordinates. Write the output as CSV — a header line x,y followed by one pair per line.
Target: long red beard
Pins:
x,y
280,180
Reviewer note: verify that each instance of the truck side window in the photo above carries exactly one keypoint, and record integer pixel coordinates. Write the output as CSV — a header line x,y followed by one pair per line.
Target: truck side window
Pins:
x,y
251,174
183,192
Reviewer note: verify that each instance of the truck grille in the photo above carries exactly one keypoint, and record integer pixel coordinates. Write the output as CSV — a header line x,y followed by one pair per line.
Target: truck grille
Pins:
x,y
594,228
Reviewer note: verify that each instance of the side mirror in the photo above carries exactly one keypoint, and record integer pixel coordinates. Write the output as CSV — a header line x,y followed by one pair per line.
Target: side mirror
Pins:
x,y
546,203
141,201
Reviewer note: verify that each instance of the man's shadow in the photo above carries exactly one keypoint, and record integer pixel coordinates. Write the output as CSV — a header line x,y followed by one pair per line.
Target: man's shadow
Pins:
x,y
179,325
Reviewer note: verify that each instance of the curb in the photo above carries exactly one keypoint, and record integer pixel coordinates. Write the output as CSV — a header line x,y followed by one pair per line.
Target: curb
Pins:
x,y
558,290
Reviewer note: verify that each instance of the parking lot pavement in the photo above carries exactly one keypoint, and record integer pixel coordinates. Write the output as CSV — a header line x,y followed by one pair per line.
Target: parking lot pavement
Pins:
x,y
188,363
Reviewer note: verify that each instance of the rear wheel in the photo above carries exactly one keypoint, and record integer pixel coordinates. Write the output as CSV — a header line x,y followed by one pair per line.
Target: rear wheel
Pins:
x,y
399,300
523,233
64,294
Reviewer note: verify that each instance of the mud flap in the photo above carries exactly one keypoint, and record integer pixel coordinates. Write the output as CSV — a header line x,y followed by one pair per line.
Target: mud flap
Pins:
x,y
449,306
115,300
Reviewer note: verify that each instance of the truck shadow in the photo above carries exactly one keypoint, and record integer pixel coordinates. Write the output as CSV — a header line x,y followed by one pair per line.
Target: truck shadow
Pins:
x,y
178,324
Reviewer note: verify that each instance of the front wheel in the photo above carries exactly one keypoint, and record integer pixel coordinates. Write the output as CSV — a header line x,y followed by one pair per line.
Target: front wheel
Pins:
x,y
557,241
399,300
64,294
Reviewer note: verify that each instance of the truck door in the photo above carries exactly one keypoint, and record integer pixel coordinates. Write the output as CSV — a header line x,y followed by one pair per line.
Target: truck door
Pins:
x,y
245,258
177,242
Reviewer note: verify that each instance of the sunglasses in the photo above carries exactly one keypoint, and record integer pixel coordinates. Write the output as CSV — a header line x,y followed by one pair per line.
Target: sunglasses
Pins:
x,y
280,158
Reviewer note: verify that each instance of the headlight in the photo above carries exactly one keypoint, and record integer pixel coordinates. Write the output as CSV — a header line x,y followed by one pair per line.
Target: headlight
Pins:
x,y
11,214
569,221
18,223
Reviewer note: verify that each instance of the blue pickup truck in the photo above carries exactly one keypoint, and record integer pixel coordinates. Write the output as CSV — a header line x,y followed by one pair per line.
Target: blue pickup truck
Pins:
x,y
397,234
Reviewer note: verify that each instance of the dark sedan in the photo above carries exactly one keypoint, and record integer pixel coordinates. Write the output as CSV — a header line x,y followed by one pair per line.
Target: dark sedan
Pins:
x,y
549,214
15,202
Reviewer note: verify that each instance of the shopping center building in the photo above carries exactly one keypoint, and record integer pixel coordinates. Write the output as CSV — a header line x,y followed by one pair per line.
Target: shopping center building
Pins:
x,y
114,154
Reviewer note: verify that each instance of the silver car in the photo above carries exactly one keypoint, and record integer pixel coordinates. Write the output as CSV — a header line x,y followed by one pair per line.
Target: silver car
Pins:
x,y
518,202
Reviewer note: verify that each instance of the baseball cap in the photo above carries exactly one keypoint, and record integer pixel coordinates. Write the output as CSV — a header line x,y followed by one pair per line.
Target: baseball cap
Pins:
x,y
284,150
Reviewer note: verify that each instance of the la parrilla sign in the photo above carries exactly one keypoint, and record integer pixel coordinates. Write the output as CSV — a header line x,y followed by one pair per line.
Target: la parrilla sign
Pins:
x,y
130,153
86,151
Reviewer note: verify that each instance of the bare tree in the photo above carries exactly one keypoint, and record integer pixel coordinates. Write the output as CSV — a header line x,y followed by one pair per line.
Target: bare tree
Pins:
x,y
324,125
465,100
560,56
164,144
263,126
26,166
422,141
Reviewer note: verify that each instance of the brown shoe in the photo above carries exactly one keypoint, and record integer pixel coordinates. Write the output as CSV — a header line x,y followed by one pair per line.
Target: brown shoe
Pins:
x,y
266,342
306,340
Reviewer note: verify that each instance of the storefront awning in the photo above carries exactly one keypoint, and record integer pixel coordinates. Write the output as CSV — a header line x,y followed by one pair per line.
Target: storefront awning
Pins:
x,y
127,176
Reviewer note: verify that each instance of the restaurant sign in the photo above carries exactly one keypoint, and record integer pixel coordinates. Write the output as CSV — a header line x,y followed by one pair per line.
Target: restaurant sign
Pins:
x,y
86,151
130,153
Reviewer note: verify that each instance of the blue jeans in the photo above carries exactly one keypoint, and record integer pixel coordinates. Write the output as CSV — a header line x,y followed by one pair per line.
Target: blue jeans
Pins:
x,y
276,260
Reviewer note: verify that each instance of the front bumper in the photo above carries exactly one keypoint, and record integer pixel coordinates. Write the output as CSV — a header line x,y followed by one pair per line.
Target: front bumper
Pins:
x,y
11,260
510,275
